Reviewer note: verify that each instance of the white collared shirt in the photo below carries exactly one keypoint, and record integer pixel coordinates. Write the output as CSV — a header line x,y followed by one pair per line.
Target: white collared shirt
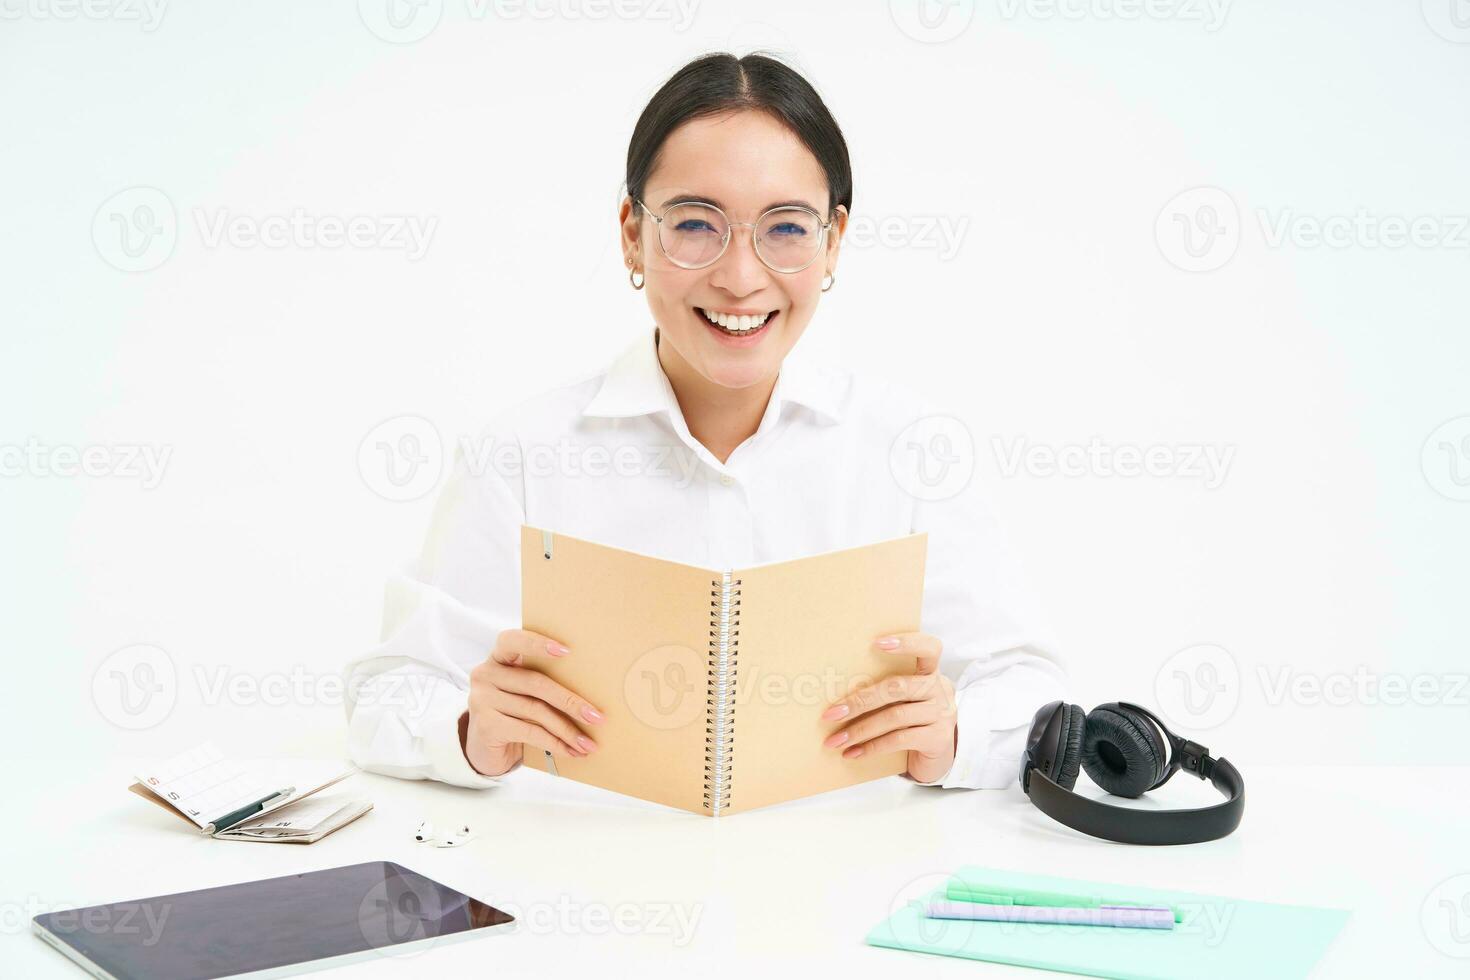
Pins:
x,y
610,460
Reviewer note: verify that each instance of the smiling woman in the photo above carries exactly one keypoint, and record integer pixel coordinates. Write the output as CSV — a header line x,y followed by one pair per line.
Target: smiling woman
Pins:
x,y
739,188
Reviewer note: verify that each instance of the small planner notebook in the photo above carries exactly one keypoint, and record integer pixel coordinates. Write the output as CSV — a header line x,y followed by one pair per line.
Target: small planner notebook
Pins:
x,y
1217,938
205,788
713,681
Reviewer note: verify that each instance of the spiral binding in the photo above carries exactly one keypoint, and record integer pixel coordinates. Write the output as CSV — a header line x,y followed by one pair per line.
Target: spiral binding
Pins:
x,y
724,660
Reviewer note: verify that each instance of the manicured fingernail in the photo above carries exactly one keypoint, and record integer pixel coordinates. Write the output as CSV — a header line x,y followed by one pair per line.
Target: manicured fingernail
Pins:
x,y
586,743
835,740
854,752
592,714
889,643
556,649
835,712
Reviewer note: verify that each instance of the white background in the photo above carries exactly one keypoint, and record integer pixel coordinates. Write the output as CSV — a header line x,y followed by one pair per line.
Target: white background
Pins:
x,y
1018,170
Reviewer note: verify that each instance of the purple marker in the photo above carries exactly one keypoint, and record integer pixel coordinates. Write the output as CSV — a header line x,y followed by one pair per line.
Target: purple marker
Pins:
x,y
1123,916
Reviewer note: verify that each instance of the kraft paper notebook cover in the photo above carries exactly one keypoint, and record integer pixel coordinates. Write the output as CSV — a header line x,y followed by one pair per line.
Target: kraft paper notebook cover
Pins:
x,y
1218,938
713,681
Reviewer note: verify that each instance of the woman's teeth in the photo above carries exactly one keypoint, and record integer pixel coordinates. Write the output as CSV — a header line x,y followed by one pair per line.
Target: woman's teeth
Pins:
x,y
736,324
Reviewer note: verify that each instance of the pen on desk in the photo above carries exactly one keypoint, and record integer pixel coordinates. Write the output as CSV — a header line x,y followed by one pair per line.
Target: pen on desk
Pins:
x,y
1118,916
249,810
965,891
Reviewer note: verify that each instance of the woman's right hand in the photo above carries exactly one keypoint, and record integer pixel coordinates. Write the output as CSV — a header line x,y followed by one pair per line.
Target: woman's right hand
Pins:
x,y
512,706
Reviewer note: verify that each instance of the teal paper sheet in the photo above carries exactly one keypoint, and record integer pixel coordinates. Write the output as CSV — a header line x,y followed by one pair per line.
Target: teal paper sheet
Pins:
x,y
1218,937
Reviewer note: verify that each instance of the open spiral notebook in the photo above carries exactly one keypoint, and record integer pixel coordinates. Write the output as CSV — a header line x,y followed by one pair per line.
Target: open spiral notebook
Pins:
x,y
209,790
713,681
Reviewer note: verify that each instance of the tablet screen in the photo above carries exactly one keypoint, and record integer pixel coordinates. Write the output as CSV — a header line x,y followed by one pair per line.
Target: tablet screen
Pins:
x,y
271,924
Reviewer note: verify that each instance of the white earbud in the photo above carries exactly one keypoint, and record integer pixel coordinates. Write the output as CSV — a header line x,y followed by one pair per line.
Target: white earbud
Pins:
x,y
462,835
424,833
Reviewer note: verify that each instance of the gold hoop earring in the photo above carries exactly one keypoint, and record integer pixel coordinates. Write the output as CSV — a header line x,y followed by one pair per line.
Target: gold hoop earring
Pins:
x,y
641,279
830,284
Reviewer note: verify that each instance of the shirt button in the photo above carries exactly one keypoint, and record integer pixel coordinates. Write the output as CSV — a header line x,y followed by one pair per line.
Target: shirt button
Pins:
x,y
727,480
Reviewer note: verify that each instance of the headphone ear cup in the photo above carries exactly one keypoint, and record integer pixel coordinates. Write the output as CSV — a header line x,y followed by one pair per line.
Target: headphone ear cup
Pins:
x,y
1069,747
1121,752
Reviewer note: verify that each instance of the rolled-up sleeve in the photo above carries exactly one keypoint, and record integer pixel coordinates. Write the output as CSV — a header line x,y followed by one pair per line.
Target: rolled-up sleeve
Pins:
x,y
997,649
441,616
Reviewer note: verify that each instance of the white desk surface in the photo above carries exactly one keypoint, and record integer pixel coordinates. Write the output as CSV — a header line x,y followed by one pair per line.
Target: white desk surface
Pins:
x,y
601,881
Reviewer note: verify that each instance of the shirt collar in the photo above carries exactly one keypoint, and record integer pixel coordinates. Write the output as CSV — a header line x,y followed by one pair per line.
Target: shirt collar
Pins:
x,y
635,384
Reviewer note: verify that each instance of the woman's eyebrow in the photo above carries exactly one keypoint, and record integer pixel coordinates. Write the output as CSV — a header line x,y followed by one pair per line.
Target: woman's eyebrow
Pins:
x,y
696,199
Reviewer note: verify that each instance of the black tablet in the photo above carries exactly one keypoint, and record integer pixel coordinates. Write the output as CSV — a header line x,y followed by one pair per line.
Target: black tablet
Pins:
x,y
271,928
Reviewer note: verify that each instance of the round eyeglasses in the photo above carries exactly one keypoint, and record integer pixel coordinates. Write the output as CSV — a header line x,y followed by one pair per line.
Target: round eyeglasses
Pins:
x,y
694,235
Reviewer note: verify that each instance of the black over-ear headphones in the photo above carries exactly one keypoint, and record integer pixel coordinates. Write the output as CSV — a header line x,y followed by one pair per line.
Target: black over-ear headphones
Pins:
x,y
1123,749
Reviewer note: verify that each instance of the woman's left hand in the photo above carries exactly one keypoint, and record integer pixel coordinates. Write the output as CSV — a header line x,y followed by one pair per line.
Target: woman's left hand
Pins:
x,y
914,712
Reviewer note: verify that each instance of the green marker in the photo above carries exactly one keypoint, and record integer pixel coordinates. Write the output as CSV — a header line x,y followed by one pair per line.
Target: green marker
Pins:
x,y
961,890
